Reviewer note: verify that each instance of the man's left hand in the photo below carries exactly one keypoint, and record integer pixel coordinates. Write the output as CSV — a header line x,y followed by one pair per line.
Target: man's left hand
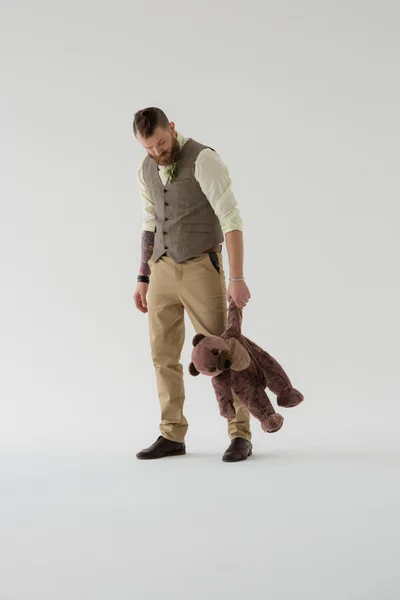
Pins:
x,y
239,292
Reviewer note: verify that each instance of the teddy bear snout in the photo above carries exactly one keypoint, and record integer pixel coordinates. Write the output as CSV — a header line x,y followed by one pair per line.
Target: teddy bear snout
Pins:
x,y
224,363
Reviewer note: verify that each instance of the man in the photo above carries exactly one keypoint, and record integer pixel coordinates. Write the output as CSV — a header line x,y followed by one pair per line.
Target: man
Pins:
x,y
188,207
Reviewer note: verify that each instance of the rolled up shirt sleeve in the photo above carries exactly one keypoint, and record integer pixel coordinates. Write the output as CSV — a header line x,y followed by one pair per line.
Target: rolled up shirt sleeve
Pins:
x,y
148,208
213,177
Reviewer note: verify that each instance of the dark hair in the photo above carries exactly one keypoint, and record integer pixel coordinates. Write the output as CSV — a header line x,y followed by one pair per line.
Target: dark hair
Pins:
x,y
147,120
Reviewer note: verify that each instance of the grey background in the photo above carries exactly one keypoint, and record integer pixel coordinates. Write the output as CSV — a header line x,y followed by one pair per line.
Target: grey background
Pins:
x,y
301,101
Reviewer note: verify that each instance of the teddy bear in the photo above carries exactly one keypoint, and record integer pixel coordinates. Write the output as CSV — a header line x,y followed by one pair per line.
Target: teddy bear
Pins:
x,y
238,364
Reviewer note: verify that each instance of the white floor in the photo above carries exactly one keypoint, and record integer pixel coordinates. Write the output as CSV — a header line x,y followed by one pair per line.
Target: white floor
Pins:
x,y
286,524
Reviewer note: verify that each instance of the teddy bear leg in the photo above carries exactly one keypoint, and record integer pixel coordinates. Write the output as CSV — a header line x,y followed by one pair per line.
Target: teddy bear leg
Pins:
x,y
279,383
261,407
272,423
290,398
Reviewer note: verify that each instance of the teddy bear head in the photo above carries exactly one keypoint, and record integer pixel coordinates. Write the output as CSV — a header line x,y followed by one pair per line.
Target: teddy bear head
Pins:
x,y
210,355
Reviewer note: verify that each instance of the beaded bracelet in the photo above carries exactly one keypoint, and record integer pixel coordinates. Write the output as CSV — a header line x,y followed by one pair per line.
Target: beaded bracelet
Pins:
x,y
236,279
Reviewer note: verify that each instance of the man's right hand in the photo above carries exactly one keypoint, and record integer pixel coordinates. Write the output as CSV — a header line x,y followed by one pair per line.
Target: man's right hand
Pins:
x,y
140,296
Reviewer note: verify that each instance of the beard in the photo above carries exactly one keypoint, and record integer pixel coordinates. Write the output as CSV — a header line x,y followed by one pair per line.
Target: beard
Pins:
x,y
169,157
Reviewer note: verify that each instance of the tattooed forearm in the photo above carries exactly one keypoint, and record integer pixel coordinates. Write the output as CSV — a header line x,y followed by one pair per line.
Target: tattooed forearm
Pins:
x,y
147,251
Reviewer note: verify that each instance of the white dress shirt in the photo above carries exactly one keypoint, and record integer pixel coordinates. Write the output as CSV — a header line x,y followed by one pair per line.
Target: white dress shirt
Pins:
x,y
213,177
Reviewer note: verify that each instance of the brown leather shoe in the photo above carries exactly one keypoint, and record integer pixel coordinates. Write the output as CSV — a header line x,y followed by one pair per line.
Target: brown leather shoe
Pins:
x,y
161,448
239,449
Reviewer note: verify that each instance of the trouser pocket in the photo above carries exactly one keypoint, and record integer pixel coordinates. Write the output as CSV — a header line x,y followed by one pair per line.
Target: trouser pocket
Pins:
x,y
214,260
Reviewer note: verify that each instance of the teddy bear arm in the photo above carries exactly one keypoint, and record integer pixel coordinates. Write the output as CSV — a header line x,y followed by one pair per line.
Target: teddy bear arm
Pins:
x,y
223,393
235,316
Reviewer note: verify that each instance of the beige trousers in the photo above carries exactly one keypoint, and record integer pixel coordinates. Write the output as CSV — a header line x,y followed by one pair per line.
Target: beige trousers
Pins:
x,y
194,285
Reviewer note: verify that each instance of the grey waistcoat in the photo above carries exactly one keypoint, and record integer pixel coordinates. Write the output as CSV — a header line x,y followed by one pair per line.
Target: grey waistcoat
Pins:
x,y
186,224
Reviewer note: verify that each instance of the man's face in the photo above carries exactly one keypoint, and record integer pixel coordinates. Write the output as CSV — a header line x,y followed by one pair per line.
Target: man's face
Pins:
x,y
162,146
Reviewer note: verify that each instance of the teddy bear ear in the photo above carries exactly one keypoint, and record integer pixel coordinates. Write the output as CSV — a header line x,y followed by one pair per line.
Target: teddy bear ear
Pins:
x,y
192,370
197,338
